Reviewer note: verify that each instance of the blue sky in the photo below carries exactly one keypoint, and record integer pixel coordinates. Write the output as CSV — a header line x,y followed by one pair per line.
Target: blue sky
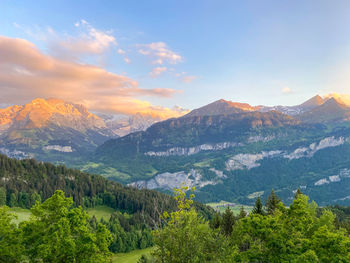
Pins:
x,y
260,52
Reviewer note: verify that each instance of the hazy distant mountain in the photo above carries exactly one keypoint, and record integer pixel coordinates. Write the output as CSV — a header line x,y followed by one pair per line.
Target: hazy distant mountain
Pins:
x,y
123,125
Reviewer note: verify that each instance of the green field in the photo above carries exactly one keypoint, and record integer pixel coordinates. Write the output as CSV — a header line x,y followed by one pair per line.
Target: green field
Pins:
x,y
221,206
100,212
131,257
21,213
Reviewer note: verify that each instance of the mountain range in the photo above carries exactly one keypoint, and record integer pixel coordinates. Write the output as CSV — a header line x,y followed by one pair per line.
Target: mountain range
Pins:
x,y
236,152
48,129
228,150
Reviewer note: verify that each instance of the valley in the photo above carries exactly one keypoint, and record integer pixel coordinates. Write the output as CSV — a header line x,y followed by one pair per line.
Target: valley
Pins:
x,y
226,150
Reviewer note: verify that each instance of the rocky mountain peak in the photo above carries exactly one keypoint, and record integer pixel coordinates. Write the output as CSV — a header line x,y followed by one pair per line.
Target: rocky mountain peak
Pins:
x,y
41,113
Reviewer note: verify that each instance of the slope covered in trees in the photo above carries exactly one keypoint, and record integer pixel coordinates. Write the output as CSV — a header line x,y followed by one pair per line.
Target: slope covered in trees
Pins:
x,y
25,182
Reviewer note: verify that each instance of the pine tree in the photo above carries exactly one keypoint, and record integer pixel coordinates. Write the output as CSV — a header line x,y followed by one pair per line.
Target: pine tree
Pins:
x,y
272,203
242,213
13,200
258,209
215,222
2,196
299,192
227,222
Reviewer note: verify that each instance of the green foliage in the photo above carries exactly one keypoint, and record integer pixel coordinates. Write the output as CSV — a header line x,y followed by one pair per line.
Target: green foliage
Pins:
x,y
272,203
258,208
11,249
59,233
187,237
227,222
300,233
242,213
2,196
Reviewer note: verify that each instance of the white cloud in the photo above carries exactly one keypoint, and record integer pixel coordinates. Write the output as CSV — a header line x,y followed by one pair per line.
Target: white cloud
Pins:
x,y
127,60
157,71
90,41
286,90
121,51
160,53
188,79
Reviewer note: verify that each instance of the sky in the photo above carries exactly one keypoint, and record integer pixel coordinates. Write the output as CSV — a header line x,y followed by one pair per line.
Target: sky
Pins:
x,y
165,57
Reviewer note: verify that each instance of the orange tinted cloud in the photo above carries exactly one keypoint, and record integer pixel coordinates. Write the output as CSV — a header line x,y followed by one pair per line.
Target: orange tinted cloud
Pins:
x,y
26,73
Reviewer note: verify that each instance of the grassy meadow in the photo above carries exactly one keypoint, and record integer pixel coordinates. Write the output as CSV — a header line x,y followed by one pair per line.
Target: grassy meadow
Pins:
x,y
131,257
221,206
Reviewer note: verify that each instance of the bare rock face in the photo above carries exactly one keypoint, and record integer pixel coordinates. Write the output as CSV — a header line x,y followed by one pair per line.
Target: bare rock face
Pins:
x,y
169,181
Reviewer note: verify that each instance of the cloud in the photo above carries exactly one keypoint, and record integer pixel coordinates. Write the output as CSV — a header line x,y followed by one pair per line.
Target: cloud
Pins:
x,y
188,79
90,41
120,51
26,73
286,90
127,60
157,71
159,53
133,106
123,53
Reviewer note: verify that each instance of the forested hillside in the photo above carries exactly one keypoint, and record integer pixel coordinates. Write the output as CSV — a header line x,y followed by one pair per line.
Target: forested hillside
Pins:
x,y
137,212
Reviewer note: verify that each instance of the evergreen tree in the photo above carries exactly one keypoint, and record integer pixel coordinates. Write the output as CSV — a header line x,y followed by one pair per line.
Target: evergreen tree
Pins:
x,y
272,203
13,200
35,197
242,213
215,223
298,192
228,220
258,208
2,196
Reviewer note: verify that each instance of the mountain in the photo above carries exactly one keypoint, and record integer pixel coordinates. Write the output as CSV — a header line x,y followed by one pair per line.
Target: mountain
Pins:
x,y
123,125
332,110
236,152
221,107
42,127
228,150
312,103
